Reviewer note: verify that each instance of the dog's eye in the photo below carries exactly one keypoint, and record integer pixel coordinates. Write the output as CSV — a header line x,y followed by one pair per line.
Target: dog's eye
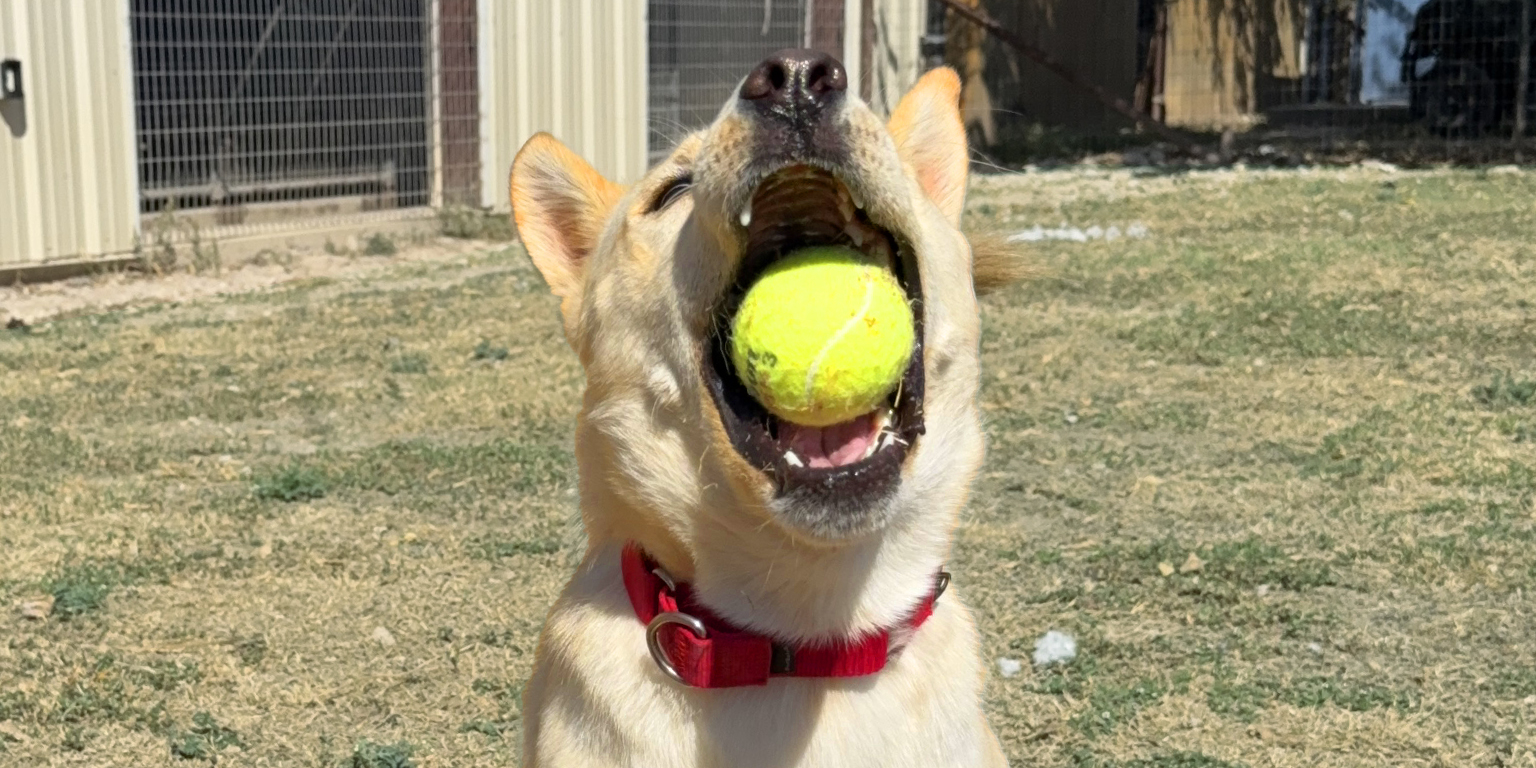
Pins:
x,y
675,189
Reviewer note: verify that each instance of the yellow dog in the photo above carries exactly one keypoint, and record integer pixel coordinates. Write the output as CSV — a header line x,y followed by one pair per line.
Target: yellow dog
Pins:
x,y
734,608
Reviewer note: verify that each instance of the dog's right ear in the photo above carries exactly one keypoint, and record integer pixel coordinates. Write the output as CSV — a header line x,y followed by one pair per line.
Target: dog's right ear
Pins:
x,y
560,203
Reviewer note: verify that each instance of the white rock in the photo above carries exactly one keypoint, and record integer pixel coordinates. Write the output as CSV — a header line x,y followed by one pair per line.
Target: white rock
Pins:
x,y
1072,234
1009,667
1055,648
1032,235
1316,648
383,637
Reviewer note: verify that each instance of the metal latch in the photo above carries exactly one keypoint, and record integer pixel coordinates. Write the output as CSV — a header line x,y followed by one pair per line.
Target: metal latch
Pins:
x,y
10,79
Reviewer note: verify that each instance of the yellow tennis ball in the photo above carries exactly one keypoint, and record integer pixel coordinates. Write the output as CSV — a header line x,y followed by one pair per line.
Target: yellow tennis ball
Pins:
x,y
823,336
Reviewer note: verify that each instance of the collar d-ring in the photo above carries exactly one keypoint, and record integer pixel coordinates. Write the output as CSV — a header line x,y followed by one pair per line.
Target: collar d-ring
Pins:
x,y
653,639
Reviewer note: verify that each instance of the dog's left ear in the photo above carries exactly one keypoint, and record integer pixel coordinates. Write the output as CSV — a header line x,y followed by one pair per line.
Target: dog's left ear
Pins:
x,y
930,138
560,204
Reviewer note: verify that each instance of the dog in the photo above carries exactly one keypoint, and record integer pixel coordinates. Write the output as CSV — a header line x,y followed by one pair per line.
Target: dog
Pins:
x,y
739,605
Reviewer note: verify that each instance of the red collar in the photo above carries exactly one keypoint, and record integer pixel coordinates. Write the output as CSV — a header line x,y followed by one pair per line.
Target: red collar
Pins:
x,y
701,650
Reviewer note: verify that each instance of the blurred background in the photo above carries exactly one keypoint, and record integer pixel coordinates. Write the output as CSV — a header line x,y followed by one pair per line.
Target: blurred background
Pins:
x,y
254,115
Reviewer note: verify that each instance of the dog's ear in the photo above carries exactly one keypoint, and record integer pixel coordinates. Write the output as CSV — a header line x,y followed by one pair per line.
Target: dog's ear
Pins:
x,y
930,137
560,203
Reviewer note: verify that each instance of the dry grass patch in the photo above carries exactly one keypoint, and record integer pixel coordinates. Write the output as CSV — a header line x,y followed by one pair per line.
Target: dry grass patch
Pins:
x,y
1271,465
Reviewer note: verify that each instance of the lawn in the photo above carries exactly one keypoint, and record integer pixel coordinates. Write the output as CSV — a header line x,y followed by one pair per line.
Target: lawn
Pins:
x,y
1273,464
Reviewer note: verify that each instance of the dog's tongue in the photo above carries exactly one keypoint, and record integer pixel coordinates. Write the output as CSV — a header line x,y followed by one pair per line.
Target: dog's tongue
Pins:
x,y
835,446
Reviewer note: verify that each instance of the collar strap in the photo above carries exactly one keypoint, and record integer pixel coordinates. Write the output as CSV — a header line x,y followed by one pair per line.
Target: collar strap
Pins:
x,y
699,649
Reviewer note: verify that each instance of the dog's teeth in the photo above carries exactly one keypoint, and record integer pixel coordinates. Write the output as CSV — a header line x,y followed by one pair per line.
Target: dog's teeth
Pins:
x,y
793,460
856,234
858,200
844,206
746,216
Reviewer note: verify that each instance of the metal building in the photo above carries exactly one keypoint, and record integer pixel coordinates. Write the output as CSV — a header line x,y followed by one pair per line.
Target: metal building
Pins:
x,y
68,188
247,119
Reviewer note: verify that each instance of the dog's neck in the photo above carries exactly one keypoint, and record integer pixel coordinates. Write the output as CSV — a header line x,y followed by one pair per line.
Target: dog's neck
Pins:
x,y
807,592
759,577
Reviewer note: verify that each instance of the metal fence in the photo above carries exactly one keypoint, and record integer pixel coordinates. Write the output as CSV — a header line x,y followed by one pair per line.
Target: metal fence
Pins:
x,y
264,110
699,50
278,112
1427,80
1441,79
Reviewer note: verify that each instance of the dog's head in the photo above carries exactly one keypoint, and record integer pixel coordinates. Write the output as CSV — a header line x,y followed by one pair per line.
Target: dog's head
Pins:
x,y
672,448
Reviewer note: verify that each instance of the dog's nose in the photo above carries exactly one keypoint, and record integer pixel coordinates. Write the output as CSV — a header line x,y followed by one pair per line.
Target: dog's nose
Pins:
x,y
797,79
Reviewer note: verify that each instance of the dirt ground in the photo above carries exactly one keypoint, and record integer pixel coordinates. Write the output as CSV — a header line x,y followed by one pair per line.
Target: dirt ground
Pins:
x,y
1271,461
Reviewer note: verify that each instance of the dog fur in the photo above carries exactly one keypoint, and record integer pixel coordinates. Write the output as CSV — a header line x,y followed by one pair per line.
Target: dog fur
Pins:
x,y
640,291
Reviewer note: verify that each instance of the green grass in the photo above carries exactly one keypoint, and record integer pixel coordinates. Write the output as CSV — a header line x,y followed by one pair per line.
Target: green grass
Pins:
x,y
1320,426
204,740
367,754
409,364
380,244
80,589
1110,705
487,351
1506,391
294,482
475,224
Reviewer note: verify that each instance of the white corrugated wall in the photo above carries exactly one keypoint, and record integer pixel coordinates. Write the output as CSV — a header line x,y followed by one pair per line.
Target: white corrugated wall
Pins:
x,y
68,186
574,68
898,59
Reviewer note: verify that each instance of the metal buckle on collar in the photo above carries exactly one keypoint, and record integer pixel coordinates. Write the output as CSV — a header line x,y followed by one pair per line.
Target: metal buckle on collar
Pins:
x,y
653,630
943,584
666,578
653,639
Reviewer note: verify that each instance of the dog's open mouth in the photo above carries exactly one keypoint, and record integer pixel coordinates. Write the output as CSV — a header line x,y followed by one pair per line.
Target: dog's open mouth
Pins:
x,y
845,464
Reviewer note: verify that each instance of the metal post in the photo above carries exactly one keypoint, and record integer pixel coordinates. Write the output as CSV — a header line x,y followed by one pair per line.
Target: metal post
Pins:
x,y
853,42
434,94
1523,80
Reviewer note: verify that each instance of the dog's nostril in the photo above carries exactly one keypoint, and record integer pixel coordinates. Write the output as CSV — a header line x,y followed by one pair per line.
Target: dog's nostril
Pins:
x,y
816,79
777,77
825,77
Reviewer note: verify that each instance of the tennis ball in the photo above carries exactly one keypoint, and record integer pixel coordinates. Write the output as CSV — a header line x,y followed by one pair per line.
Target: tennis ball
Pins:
x,y
823,336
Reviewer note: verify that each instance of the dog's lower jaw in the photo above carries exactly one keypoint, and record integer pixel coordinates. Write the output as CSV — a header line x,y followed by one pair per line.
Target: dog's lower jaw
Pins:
x,y
833,523
596,698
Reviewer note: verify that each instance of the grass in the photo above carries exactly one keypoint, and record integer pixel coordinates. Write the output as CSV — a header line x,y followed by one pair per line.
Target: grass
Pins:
x,y
370,755
294,482
380,244
204,740
1271,466
469,223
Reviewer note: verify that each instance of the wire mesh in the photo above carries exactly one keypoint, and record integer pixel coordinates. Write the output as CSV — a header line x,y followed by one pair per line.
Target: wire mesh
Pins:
x,y
294,108
1305,80
699,50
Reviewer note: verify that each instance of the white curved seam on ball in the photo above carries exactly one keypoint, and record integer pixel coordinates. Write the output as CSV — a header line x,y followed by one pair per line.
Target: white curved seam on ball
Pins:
x,y
810,373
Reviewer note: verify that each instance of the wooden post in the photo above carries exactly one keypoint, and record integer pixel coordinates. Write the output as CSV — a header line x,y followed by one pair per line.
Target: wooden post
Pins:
x,y
1045,59
827,27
